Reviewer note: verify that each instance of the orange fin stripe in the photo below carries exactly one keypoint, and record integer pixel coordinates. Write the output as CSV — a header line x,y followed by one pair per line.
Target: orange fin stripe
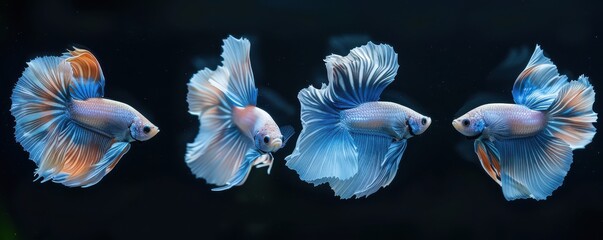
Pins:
x,y
84,64
489,163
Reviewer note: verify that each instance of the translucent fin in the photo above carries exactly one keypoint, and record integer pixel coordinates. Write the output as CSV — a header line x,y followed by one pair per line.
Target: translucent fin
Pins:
x,y
88,80
378,160
489,158
39,103
76,156
202,95
241,175
239,87
362,75
109,161
571,115
324,148
219,148
287,132
533,167
537,86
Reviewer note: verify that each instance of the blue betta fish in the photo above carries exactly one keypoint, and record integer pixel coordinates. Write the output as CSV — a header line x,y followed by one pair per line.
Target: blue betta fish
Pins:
x,y
234,134
350,139
71,132
527,147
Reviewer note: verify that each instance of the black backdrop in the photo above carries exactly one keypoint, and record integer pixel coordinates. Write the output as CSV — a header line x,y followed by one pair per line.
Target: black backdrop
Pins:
x,y
149,50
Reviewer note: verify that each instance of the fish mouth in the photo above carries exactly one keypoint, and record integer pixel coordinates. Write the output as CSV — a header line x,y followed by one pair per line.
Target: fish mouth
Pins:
x,y
277,144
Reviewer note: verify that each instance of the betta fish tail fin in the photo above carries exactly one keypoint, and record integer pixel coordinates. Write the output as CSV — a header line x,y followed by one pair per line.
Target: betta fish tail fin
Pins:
x,y
64,151
221,154
571,114
325,148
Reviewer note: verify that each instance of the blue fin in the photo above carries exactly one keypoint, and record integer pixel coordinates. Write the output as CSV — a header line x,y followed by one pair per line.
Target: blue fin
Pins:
x,y
88,80
571,115
533,167
39,103
324,148
362,75
239,87
537,85
243,172
287,132
378,160
219,148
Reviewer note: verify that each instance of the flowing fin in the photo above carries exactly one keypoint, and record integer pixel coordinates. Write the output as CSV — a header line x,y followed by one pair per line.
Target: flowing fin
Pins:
x,y
88,80
109,161
489,158
287,132
39,104
239,87
378,160
241,176
533,167
537,85
76,156
324,147
219,148
362,75
571,115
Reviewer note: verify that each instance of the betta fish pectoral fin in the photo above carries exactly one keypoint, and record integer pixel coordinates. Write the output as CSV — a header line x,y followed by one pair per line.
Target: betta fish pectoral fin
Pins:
x,y
74,136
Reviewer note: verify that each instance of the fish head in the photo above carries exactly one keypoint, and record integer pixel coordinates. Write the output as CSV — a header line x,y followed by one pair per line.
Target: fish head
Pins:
x,y
142,129
269,138
471,124
417,123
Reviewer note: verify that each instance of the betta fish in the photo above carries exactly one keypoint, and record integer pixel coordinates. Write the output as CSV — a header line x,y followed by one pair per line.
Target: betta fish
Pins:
x,y
234,135
73,134
527,147
350,139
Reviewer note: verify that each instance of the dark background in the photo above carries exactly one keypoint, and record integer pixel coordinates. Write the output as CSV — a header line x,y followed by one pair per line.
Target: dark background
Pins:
x,y
149,50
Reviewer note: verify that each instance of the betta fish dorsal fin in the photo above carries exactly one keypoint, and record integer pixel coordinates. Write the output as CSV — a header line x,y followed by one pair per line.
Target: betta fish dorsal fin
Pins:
x,y
362,75
537,85
239,86
88,80
489,158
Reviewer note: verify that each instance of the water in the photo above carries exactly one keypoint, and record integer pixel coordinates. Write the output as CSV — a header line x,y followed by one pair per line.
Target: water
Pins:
x,y
149,50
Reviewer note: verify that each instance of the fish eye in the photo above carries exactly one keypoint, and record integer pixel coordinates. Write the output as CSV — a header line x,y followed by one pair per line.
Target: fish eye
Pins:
x,y
266,139
466,122
423,121
146,129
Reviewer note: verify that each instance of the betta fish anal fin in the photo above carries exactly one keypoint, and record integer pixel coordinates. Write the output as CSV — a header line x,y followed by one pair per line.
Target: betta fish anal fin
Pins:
x,y
378,159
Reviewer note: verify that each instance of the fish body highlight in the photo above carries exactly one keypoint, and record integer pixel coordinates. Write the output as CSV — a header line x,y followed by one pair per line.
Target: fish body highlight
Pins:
x,y
527,147
74,136
349,139
234,133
